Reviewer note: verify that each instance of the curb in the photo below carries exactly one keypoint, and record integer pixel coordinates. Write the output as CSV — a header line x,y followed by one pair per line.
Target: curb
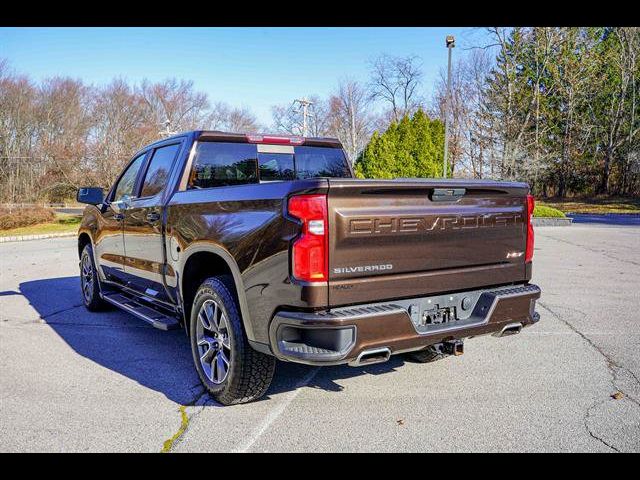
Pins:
x,y
22,238
551,221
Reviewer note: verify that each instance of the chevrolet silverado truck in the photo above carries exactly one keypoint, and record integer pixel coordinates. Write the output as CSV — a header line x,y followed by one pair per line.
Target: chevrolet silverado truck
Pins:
x,y
265,247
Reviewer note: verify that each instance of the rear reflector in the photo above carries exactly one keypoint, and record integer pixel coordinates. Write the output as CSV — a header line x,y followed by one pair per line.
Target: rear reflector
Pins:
x,y
309,251
274,139
529,251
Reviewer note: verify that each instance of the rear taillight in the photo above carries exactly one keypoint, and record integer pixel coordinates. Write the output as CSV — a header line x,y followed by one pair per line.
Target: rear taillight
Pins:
x,y
530,206
310,250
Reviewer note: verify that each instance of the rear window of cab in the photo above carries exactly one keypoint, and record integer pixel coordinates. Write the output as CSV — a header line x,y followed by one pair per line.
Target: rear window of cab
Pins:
x,y
217,164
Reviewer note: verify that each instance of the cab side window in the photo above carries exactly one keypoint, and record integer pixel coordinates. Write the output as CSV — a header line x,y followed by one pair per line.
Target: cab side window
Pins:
x,y
128,180
159,168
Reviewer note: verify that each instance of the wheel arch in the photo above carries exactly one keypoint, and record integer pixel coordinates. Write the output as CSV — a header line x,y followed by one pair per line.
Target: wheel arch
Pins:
x,y
201,261
83,239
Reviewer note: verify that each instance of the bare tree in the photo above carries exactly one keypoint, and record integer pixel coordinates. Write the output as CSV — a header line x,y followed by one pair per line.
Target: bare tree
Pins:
x,y
121,127
350,119
175,101
623,59
231,119
61,134
17,135
631,37
396,81
64,124
471,140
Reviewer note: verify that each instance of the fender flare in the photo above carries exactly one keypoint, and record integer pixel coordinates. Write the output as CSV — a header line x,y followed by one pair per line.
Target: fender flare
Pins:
x,y
89,231
216,249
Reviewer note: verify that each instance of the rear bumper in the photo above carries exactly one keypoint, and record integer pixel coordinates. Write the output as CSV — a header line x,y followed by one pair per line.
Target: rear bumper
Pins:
x,y
342,335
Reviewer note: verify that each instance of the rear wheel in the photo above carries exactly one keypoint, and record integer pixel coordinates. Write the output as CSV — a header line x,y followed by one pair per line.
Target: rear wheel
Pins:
x,y
228,367
89,282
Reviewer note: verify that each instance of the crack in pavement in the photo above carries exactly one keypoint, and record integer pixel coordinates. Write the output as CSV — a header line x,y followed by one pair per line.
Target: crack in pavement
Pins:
x,y
201,400
167,445
604,254
590,432
48,315
40,321
43,318
613,367
57,312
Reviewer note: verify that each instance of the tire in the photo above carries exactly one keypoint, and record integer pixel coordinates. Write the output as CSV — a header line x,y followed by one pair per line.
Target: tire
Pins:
x,y
430,354
231,371
89,283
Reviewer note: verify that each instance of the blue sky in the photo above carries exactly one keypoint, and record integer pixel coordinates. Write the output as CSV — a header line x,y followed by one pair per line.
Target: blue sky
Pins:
x,y
253,67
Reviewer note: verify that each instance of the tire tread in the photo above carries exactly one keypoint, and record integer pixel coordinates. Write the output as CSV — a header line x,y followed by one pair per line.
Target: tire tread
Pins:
x,y
97,304
252,371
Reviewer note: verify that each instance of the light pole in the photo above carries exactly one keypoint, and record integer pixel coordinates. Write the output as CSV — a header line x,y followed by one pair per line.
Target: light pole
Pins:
x,y
451,42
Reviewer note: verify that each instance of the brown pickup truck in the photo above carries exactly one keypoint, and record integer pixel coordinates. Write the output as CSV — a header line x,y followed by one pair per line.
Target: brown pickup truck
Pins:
x,y
265,247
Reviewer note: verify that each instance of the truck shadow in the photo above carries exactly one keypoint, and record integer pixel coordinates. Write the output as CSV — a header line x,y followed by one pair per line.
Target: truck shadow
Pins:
x,y
154,359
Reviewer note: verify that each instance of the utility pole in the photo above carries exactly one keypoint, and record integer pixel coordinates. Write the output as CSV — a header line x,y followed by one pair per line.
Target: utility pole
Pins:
x,y
167,129
304,104
451,42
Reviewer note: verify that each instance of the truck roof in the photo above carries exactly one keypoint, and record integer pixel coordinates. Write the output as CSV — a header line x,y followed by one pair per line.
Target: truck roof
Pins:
x,y
216,135
220,136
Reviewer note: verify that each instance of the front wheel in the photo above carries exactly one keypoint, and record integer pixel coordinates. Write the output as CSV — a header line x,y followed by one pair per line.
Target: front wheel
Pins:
x,y
89,281
228,367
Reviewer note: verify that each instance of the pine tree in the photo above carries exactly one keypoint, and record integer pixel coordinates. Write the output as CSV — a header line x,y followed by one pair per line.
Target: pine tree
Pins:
x,y
412,147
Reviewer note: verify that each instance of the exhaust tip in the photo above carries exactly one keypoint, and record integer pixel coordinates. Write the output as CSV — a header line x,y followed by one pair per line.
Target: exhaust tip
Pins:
x,y
374,355
510,329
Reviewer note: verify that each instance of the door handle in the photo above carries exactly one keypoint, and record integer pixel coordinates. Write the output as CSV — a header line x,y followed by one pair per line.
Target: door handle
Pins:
x,y
153,217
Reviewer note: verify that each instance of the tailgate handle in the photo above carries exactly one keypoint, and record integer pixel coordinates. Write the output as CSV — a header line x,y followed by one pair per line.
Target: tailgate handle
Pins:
x,y
447,194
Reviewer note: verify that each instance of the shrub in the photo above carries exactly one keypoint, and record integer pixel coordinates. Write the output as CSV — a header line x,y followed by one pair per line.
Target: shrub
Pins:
x,y
23,217
545,211
413,147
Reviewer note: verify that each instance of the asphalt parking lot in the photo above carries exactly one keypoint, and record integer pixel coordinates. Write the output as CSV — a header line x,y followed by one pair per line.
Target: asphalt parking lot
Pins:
x,y
76,381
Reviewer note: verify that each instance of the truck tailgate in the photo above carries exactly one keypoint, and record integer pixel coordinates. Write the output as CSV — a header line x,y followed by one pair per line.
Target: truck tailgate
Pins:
x,y
402,238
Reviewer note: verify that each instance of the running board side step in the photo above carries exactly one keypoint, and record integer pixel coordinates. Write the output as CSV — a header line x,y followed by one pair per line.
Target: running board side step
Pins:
x,y
150,315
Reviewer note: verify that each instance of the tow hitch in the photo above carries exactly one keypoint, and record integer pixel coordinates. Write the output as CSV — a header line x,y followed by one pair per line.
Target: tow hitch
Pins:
x,y
453,347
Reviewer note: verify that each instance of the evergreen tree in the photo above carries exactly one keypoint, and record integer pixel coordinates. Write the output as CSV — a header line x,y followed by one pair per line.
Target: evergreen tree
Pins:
x,y
411,148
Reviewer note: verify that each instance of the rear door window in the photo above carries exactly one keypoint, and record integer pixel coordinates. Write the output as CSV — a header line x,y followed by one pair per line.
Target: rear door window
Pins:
x,y
218,164
321,162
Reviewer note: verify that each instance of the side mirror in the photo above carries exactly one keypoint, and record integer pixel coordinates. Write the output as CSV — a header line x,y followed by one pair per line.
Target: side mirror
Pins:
x,y
90,195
